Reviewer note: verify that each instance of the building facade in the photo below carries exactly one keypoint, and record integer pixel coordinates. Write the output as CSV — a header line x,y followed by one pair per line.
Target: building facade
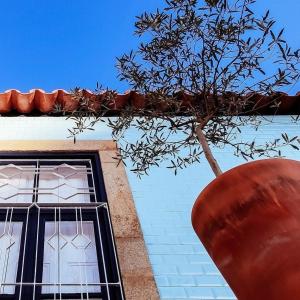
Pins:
x,y
179,264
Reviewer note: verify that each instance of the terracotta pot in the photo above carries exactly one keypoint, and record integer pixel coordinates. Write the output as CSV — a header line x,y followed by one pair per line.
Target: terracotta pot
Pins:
x,y
249,221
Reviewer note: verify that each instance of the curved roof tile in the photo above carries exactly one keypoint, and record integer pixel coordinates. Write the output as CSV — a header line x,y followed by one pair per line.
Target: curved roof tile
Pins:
x,y
45,102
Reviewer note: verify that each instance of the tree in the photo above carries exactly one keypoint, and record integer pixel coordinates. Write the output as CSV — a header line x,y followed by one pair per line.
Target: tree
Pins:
x,y
205,69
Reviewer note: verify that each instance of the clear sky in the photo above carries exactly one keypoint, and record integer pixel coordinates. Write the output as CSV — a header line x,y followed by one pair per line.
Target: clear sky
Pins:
x,y
67,43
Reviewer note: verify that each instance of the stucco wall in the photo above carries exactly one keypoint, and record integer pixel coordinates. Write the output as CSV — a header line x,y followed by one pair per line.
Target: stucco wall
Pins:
x,y
181,266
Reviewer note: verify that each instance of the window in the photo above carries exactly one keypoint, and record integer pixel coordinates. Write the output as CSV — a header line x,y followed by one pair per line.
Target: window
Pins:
x,y
56,239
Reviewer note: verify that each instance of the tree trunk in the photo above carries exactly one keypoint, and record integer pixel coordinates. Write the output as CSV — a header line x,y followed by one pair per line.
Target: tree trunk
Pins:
x,y
208,154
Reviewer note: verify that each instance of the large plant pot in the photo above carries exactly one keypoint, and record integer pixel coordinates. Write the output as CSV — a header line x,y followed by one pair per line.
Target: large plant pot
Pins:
x,y
249,221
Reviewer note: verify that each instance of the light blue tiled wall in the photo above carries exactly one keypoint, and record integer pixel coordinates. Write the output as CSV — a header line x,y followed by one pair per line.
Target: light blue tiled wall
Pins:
x,y
182,268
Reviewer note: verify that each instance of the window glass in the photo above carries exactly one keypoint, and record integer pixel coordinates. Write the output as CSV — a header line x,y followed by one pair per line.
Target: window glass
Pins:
x,y
70,257
16,183
64,183
10,239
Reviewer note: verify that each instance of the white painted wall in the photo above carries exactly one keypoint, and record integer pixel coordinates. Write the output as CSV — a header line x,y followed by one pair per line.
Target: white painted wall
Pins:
x,y
182,268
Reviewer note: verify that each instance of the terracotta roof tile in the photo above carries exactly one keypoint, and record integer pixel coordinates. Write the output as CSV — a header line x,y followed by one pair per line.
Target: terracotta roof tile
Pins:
x,y
42,102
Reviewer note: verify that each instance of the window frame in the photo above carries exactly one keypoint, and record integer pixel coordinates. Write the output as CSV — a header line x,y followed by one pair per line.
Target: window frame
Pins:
x,y
137,274
108,241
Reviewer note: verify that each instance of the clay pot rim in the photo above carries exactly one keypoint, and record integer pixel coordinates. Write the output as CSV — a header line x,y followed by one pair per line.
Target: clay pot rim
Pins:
x,y
228,173
257,161
253,162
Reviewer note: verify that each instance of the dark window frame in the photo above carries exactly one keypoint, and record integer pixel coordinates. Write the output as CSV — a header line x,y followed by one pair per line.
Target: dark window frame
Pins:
x,y
47,215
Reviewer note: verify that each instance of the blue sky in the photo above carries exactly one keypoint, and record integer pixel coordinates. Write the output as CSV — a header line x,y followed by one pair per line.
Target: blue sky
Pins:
x,y
67,43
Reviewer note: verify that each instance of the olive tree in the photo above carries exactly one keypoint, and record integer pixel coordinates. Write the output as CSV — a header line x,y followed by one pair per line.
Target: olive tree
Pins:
x,y
205,69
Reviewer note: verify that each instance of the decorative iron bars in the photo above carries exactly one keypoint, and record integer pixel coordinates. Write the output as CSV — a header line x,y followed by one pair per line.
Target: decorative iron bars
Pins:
x,y
56,239
53,181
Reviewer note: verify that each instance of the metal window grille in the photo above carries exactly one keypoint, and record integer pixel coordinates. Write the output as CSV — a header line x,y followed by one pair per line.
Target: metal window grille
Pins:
x,y
56,237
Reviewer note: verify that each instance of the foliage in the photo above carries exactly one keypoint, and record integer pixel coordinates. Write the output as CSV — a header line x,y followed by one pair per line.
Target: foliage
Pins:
x,y
200,64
